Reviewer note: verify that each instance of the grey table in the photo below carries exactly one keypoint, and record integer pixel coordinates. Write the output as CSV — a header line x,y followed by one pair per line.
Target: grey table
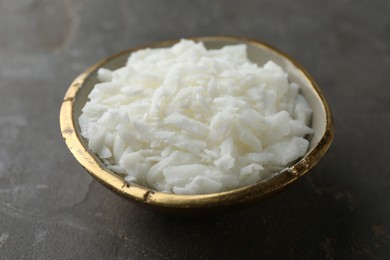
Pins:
x,y
51,209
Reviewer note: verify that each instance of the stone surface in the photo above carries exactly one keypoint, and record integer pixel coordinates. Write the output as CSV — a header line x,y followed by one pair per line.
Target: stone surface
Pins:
x,y
50,208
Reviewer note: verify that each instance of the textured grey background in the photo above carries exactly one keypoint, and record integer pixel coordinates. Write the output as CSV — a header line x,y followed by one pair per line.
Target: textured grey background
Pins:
x,y
50,208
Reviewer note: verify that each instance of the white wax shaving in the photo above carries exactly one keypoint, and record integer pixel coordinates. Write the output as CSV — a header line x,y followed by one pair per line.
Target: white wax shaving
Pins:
x,y
189,120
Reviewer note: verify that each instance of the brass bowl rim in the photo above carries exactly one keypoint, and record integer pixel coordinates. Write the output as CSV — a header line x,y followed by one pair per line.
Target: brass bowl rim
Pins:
x,y
156,199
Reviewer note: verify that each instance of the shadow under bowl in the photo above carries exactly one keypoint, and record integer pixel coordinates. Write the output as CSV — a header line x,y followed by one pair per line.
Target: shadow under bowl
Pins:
x,y
258,52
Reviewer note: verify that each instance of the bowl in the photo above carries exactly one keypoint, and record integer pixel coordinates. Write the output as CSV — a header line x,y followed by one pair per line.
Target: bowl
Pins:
x,y
258,52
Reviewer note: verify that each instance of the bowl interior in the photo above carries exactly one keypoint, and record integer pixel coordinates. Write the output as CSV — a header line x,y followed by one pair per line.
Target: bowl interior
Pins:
x,y
258,53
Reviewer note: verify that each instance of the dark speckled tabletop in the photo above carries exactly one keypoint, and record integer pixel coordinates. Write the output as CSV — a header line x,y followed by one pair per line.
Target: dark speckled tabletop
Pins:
x,y
51,209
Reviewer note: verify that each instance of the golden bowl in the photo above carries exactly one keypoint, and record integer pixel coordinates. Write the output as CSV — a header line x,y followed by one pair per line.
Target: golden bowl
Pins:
x,y
77,96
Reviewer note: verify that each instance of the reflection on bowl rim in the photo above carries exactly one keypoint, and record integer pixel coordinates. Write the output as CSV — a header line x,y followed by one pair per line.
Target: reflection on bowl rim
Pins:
x,y
155,199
